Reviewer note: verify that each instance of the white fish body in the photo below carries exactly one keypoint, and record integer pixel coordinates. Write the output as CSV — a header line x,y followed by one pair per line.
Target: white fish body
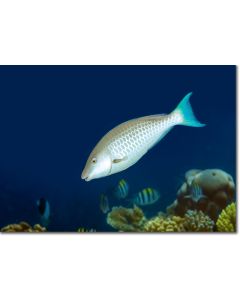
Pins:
x,y
125,144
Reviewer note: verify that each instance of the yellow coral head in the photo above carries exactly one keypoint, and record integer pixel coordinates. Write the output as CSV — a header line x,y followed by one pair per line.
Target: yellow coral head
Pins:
x,y
227,219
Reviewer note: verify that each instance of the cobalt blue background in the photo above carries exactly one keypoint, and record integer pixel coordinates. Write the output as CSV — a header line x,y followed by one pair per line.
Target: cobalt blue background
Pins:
x,y
52,116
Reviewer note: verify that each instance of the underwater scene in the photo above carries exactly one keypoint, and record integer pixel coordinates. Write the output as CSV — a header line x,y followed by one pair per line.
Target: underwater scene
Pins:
x,y
89,149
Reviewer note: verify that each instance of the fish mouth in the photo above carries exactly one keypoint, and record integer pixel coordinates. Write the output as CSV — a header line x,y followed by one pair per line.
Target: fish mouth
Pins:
x,y
85,177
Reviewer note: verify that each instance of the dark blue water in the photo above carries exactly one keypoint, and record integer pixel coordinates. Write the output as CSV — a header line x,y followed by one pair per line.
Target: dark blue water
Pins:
x,y
52,116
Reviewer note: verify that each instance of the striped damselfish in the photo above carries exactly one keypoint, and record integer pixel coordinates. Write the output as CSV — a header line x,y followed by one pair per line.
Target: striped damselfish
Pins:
x,y
122,189
146,197
196,193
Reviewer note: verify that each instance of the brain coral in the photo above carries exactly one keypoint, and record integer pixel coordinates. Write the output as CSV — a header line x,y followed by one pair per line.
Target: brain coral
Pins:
x,y
227,219
209,191
197,221
126,219
164,224
23,227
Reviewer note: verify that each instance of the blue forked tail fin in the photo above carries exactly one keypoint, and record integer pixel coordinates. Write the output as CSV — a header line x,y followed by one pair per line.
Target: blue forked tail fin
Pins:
x,y
185,113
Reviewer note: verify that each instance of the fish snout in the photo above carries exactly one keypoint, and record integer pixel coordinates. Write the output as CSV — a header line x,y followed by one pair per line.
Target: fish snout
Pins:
x,y
85,176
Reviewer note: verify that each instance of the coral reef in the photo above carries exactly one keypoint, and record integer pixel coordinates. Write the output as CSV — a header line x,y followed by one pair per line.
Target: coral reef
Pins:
x,y
197,221
193,221
209,190
227,219
164,224
23,227
126,219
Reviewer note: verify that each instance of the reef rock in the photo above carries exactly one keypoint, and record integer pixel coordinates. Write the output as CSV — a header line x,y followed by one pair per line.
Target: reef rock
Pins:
x,y
209,190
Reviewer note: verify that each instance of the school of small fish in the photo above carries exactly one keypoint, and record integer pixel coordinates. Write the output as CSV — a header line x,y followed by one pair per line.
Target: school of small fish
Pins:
x,y
145,197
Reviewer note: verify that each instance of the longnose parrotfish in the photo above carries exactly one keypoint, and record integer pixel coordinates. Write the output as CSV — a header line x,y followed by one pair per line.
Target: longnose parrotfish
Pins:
x,y
146,197
125,144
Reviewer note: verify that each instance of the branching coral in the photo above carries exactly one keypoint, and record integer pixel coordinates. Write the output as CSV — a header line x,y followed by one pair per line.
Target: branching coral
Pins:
x,y
163,224
126,219
23,227
227,219
197,221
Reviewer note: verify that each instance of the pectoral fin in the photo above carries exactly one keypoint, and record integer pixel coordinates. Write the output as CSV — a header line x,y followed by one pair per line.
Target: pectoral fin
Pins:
x,y
118,160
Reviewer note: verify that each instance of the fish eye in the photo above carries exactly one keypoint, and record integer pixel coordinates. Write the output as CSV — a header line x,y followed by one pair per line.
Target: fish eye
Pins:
x,y
94,160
